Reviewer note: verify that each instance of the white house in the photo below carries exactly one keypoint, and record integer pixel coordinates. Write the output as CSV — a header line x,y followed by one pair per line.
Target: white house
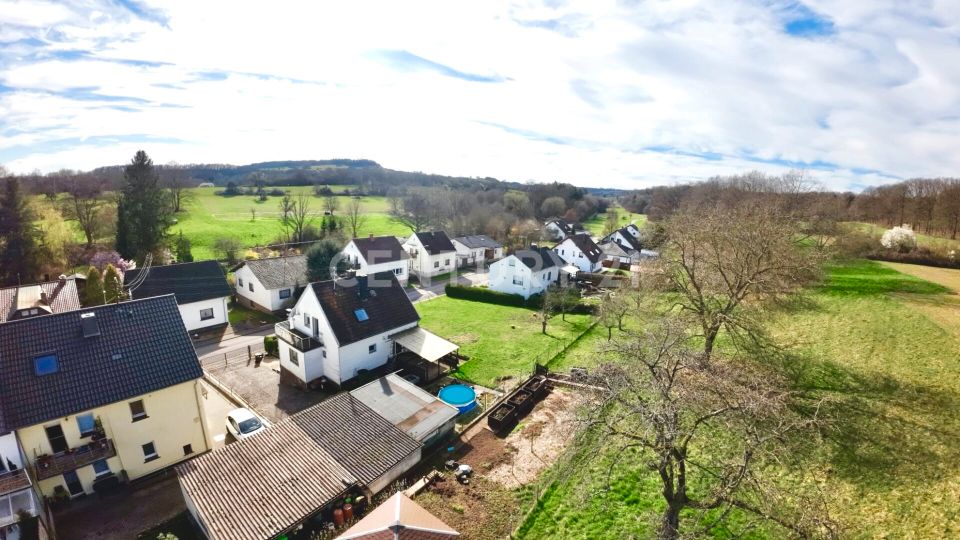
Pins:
x,y
525,272
626,237
270,284
614,253
558,229
431,254
378,254
580,251
474,249
201,290
340,327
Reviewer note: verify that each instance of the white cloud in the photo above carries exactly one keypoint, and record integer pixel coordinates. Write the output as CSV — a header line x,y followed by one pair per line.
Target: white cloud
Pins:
x,y
594,93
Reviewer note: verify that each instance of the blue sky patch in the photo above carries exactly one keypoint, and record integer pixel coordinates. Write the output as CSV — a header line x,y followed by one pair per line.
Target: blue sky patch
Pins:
x,y
801,21
407,61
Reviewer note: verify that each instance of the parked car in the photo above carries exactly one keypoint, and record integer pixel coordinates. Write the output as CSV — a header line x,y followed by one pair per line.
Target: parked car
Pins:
x,y
241,423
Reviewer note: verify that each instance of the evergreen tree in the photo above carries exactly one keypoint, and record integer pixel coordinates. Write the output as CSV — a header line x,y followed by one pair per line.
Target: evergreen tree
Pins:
x,y
18,237
112,285
93,289
183,249
320,257
144,211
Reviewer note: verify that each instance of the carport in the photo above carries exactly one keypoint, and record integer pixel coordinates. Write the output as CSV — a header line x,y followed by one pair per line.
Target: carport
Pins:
x,y
422,351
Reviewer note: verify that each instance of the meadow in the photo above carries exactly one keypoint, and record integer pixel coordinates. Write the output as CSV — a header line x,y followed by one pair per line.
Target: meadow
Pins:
x,y
935,243
884,348
594,225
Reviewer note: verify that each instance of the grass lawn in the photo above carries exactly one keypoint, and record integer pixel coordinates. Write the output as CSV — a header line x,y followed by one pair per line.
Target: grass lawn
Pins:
x,y
500,340
242,316
935,243
890,463
594,225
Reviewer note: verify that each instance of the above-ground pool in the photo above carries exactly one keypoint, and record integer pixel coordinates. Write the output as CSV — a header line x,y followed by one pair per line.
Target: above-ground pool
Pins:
x,y
460,396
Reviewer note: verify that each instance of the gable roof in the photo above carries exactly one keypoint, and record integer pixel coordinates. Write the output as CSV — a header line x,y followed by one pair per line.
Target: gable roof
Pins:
x,y
190,282
61,296
262,486
142,346
631,241
613,249
586,245
380,249
477,241
278,272
435,242
386,305
563,224
399,518
540,258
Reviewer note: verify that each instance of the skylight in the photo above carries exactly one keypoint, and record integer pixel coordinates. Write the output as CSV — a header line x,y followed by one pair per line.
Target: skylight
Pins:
x,y
361,314
46,364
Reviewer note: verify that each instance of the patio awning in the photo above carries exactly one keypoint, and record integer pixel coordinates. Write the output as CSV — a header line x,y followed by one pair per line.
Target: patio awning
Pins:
x,y
570,269
424,344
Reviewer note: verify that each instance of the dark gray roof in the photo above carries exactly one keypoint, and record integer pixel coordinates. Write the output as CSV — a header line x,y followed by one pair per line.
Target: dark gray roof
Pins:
x,y
142,347
278,272
586,245
386,304
435,242
625,239
62,296
261,486
613,249
380,249
477,241
539,258
190,282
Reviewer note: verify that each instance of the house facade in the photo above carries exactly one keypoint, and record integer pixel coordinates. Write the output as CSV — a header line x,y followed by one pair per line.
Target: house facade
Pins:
x,y
431,254
270,284
341,327
613,253
377,254
558,229
18,491
525,272
102,395
581,251
201,290
476,249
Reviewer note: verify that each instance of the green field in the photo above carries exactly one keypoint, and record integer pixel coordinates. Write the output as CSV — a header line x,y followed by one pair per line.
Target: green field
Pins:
x,y
209,217
885,348
500,341
594,225
935,243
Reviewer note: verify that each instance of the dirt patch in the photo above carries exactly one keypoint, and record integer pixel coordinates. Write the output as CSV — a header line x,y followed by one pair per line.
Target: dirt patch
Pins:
x,y
481,510
537,442
464,339
948,277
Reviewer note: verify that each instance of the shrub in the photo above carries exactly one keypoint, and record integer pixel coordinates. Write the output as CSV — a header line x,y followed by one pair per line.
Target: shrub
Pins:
x,y
901,239
271,345
919,256
478,294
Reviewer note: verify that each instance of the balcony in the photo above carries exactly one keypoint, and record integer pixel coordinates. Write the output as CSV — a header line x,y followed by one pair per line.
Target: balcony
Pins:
x,y
295,338
14,481
49,466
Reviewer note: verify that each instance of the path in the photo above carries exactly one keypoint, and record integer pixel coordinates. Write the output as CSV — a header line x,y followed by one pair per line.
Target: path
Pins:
x,y
234,341
948,277
470,279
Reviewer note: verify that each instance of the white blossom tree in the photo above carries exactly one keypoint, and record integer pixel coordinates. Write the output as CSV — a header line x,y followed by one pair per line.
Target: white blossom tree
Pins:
x,y
902,239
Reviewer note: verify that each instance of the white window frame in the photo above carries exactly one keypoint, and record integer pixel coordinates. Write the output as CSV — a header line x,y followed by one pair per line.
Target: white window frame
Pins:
x,y
294,358
149,457
372,348
518,280
204,317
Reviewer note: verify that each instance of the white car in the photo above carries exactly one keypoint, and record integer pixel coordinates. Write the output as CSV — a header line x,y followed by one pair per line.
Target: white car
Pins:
x,y
241,423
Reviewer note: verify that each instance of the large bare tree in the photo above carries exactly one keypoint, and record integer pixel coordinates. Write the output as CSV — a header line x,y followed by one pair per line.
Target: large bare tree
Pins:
x,y
295,215
176,179
705,430
723,261
413,210
355,217
85,203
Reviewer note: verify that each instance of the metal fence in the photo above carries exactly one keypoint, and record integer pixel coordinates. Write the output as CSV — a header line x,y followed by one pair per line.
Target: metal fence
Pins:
x,y
232,359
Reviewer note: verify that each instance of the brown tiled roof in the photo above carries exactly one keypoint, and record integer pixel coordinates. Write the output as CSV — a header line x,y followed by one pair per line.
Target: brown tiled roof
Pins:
x,y
435,242
62,296
380,249
399,518
386,304
261,486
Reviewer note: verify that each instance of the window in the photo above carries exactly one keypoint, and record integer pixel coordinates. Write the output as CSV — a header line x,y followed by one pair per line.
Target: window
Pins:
x,y
306,320
46,364
324,353
149,452
518,280
187,449
446,262
101,468
398,271
361,314
206,314
436,264
372,349
284,293
137,412
512,262
240,282
250,286
549,275
86,424
294,358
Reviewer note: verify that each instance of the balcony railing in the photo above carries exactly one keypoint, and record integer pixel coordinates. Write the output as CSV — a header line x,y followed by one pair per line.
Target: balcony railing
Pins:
x,y
49,466
14,481
295,338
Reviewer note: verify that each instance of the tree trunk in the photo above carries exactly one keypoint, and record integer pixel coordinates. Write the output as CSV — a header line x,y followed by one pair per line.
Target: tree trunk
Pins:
x,y
710,338
670,522
544,326
609,333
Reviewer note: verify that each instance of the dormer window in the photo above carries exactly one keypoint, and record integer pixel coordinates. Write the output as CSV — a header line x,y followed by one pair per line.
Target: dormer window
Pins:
x,y
46,364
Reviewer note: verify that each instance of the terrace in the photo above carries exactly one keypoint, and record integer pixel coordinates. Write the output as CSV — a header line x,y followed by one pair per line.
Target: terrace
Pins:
x,y
49,466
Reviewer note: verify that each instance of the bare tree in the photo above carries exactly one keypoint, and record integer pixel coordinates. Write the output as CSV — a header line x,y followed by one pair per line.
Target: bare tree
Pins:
x,y
412,210
548,300
331,204
84,204
177,181
295,215
355,218
663,404
717,259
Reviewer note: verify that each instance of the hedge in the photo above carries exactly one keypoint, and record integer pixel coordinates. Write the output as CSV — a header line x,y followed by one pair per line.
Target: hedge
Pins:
x,y
480,294
919,256
271,346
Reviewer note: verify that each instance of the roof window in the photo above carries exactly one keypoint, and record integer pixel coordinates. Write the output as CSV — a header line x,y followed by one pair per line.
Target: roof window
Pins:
x,y
361,314
46,364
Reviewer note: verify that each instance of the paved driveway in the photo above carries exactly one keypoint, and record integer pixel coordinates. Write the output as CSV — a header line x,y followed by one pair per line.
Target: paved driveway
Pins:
x,y
420,293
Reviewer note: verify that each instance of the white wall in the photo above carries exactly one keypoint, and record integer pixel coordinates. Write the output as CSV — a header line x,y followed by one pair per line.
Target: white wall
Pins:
x,y
502,274
571,254
266,299
190,313
423,264
357,355
353,254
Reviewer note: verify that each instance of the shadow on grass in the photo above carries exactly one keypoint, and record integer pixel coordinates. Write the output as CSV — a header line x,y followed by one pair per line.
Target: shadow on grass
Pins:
x,y
869,278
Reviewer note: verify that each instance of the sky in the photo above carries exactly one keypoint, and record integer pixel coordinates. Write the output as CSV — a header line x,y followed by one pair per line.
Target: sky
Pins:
x,y
625,94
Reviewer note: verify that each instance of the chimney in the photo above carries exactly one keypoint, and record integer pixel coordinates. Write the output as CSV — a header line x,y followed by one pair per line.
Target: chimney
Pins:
x,y
88,321
62,279
43,297
362,290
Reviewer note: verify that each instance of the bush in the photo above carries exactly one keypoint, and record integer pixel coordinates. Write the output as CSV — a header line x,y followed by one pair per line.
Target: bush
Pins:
x,y
479,294
919,256
271,345
901,239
